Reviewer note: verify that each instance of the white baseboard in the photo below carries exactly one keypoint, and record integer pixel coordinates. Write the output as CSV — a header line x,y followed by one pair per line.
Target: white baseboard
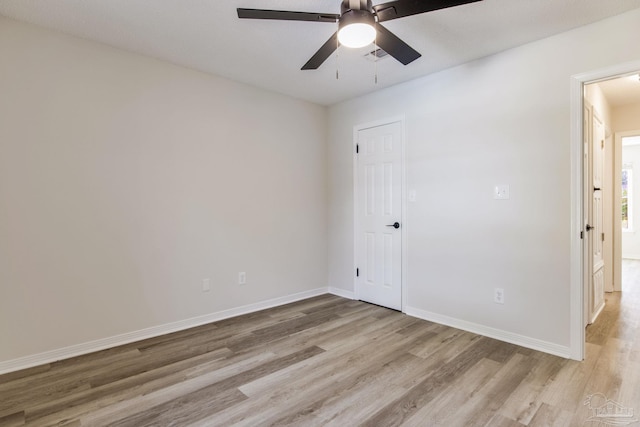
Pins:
x,y
499,334
631,256
154,331
129,337
342,293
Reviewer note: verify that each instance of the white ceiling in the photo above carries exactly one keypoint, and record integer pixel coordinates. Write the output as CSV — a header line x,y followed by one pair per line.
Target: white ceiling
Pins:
x,y
207,35
622,91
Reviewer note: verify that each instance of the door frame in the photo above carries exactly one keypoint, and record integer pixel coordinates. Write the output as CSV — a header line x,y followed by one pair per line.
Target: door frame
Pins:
x,y
577,245
617,206
403,202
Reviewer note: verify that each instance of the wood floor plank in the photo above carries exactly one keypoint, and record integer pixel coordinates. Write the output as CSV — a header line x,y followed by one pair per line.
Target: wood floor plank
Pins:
x,y
629,392
499,420
550,416
323,366
12,420
58,378
336,370
446,404
480,409
599,332
149,395
185,409
609,369
356,401
381,373
212,398
444,340
568,390
11,377
75,404
524,402
398,411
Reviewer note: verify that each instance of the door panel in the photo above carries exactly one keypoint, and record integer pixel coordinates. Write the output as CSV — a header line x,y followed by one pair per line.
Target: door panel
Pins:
x,y
598,292
598,255
379,204
598,152
586,197
596,215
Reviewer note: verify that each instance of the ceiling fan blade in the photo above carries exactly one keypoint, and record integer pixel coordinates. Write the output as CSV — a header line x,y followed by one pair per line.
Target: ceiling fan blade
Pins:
x,y
394,46
401,8
323,53
285,15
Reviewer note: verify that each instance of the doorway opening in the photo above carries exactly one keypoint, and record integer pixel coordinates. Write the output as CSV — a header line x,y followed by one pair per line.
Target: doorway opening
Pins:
x,y
628,199
627,203
606,107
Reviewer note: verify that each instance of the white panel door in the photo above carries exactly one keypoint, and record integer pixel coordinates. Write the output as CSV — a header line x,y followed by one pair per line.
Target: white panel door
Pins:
x,y
586,211
596,236
379,215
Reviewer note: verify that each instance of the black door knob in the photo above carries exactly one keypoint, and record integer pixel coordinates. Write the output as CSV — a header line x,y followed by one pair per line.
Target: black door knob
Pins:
x,y
394,225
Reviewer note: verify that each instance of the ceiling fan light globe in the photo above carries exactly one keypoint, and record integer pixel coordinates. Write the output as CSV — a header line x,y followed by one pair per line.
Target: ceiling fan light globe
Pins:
x,y
356,35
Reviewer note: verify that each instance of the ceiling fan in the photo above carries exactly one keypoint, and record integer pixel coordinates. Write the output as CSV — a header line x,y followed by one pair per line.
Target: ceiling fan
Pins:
x,y
359,25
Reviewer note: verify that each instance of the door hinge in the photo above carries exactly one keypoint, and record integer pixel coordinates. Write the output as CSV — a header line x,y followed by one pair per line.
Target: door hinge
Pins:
x,y
357,272
357,148
582,235
603,237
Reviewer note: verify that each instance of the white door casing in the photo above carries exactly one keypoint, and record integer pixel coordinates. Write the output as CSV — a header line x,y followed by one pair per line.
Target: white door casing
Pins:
x,y
586,197
378,243
578,247
617,207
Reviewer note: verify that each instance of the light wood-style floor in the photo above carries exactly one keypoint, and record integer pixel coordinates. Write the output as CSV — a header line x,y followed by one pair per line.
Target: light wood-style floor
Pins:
x,y
334,362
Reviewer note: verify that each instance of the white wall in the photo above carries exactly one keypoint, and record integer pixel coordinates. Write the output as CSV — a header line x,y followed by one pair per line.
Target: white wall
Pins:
x,y
124,181
503,119
596,97
626,118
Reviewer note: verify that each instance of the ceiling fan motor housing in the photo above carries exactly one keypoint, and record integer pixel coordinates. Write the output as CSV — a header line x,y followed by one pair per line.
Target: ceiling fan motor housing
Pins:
x,y
356,12
356,17
348,5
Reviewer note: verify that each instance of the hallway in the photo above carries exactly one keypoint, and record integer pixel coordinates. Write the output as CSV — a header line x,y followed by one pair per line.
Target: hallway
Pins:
x,y
620,318
613,346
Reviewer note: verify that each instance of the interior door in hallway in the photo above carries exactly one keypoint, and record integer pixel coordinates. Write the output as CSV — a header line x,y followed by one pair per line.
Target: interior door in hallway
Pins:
x,y
379,215
596,215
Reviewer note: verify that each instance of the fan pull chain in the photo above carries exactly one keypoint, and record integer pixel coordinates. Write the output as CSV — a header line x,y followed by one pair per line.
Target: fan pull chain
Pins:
x,y
375,53
337,62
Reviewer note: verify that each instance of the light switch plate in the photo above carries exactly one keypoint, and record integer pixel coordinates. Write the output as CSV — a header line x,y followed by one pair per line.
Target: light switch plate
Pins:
x,y
501,192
